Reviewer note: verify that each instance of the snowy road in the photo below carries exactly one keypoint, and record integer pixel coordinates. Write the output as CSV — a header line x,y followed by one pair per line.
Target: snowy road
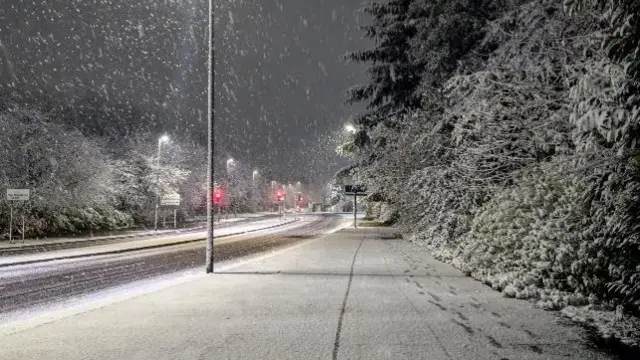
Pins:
x,y
71,243
27,286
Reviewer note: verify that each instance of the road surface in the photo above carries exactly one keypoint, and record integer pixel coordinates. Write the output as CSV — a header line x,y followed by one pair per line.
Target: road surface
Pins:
x,y
28,286
71,243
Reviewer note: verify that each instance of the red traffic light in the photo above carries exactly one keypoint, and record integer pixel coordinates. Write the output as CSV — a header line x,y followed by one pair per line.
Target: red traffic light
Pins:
x,y
217,197
279,196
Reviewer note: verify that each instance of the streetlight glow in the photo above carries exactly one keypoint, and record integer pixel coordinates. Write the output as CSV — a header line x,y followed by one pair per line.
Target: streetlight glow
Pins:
x,y
350,128
163,138
230,162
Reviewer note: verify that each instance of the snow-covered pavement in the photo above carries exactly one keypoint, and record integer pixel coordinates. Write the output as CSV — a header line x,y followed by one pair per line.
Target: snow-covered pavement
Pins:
x,y
144,243
355,294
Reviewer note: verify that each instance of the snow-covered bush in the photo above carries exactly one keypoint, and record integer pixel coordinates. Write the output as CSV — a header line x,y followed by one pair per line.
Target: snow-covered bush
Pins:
x,y
606,116
70,178
608,324
372,209
388,214
446,210
610,234
381,211
522,165
524,238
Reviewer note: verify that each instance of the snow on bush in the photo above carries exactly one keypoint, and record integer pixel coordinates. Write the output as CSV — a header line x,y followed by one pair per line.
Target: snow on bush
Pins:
x,y
523,241
521,168
388,214
610,325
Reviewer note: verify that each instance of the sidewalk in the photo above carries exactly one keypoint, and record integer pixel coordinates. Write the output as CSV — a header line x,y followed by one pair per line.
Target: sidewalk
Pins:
x,y
161,241
355,294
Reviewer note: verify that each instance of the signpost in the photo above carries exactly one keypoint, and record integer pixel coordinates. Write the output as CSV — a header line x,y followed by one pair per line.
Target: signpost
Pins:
x,y
355,190
172,200
16,195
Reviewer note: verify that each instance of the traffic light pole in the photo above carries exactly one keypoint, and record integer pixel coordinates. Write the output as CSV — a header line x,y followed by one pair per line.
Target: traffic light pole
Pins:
x,y
284,207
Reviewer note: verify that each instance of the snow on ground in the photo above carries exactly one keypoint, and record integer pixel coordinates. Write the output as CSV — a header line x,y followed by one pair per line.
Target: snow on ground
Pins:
x,y
227,231
48,313
609,325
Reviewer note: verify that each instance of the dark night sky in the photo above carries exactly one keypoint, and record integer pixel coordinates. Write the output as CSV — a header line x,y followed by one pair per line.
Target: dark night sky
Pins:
x,y
280,81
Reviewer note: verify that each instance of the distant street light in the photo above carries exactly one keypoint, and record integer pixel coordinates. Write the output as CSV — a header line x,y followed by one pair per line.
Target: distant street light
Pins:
x,y
230,162
255,174
162,139
350,128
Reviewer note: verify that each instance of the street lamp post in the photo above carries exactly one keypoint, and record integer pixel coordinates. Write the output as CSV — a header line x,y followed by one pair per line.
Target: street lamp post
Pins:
x,y
162,139
254,191
209,255
273,193
230,162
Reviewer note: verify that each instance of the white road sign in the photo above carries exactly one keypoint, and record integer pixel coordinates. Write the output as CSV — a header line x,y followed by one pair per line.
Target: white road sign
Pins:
x,y
18,194
170,200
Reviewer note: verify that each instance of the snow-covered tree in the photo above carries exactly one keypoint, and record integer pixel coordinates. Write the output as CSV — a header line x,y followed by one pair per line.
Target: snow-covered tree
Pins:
x,y
622,27
520,164
70,179
394,78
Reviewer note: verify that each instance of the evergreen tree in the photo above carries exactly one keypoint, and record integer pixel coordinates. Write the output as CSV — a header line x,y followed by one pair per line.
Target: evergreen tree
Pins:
x,y
394,76
620,18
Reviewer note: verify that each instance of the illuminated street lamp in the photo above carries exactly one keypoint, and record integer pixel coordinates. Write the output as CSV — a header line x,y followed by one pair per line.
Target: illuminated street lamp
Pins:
x,y
255,174
162,139
350,128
